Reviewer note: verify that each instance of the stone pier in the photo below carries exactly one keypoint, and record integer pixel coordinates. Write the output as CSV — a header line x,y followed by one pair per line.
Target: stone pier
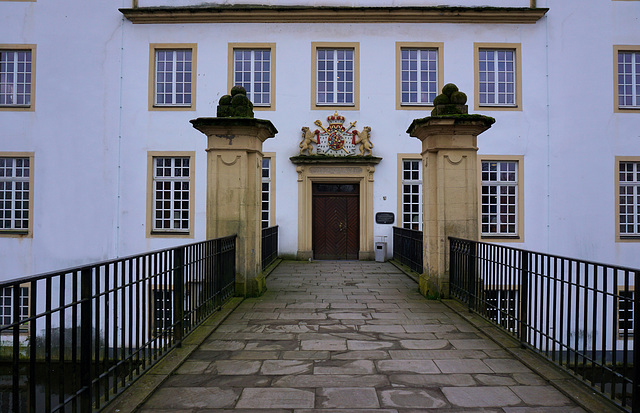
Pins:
x,y
234,176
450,193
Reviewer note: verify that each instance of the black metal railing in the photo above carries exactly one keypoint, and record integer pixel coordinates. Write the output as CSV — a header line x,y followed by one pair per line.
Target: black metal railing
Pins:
x,y
407,248
78,337
269,245
579,314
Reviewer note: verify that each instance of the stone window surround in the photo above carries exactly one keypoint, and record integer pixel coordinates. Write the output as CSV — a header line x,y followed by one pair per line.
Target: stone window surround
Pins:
x,y
150,232
29,232
439,46
519,159
153,47
272,188
253,46
616,50
516,47
403,157
356,74
24,328
32,105
618,159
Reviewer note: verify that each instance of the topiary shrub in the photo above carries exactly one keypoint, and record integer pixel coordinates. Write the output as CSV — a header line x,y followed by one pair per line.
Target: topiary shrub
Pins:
x,y
449,88
235,105
458,98
450,102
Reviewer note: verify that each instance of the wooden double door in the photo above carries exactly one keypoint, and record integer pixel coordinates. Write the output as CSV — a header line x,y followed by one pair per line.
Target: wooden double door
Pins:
x,y
336,221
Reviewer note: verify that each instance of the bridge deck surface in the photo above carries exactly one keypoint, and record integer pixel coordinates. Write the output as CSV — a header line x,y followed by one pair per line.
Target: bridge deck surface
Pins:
x,y
349,336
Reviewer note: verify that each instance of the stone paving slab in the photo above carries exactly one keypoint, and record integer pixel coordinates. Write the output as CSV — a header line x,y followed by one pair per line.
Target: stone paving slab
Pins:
x,y
351,337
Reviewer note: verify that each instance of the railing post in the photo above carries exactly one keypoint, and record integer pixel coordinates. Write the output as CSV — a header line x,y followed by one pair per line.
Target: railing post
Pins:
x,y
635,401
471,274
524,297
86,315
178,294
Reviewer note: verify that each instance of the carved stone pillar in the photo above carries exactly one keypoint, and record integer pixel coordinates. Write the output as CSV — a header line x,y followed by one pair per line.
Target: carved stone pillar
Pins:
x,y
234,178
450,197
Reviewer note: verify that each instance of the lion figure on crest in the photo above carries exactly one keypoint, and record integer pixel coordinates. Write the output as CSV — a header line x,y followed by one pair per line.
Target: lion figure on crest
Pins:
x,y
307,139
364,141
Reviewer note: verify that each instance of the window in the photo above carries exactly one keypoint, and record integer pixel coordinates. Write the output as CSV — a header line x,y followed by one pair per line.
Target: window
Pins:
x,y
628,198
162,310
173,69
16,77
171,211
627,81
501,306
498,80
501,198
15,194
625,300
252,67
7,295
419,67
411,192
335,73
268,189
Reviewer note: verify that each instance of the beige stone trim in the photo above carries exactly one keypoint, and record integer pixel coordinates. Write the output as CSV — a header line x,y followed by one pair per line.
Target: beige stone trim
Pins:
x,y
32,47
439,46
29,232
617,49
500,158
253,46
152,74
192,172
401,157
618,159
337,14
356,75
516,47
272,195
308,174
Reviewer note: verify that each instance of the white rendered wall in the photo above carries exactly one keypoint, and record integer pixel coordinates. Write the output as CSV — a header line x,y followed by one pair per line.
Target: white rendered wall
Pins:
x,y
72,132
87,130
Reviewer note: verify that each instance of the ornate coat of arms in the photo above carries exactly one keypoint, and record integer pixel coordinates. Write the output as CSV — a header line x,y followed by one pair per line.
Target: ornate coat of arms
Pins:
x,y
336,139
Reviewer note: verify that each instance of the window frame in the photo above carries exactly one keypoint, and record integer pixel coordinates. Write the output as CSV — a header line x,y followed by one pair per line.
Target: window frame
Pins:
x,y
272,189
621,333
24,328
155,290
154,233
508,321
272,82
409,157
617,49
439,47
519,236
619,236
21,232
516,48
315,46
153,48
32,105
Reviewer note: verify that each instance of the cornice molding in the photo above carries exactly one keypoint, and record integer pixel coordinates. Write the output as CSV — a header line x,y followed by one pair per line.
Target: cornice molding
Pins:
x,y
309,14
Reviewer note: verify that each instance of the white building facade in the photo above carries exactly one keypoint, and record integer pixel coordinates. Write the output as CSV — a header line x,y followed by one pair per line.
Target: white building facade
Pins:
x,y
99,160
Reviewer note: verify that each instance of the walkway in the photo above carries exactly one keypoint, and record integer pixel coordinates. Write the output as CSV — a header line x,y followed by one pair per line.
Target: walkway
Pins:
x,y
345,337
